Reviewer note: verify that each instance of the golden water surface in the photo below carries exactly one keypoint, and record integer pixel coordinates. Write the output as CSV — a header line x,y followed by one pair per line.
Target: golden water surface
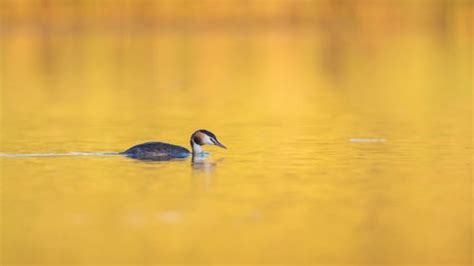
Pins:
x,y
347,144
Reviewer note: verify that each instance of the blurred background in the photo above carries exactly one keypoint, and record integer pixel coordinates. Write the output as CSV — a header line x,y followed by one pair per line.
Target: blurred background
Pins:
x,y
349,127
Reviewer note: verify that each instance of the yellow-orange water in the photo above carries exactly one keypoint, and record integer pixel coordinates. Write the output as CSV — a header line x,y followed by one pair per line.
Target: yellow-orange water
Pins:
x,y
343,146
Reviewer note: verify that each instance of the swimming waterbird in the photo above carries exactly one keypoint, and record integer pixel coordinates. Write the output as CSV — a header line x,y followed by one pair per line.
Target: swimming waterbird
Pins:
x,y
164,151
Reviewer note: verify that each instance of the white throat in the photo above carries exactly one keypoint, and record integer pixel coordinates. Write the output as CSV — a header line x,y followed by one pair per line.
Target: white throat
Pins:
x,y
196,148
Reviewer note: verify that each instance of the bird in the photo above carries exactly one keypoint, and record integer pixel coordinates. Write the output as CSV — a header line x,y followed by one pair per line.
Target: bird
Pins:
x,y
161,151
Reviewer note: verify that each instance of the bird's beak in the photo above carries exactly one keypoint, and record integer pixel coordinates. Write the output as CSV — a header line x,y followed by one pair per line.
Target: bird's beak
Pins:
x,y
217,143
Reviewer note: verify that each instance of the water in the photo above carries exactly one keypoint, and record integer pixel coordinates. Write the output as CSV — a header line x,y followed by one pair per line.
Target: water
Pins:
x,y
343,147
73,153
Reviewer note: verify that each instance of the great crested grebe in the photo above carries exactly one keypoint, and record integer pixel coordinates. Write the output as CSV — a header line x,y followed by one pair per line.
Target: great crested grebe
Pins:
x,y
164,151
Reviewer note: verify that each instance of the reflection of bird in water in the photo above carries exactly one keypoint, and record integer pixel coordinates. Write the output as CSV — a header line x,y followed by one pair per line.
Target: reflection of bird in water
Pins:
x,y
206,166
160,151
203,171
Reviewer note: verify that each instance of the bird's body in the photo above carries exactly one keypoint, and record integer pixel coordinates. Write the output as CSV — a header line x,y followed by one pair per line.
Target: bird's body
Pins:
x,y
164,151
157,150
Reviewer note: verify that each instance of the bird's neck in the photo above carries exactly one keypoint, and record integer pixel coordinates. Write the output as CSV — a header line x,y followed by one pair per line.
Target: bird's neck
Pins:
x,y
196,148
